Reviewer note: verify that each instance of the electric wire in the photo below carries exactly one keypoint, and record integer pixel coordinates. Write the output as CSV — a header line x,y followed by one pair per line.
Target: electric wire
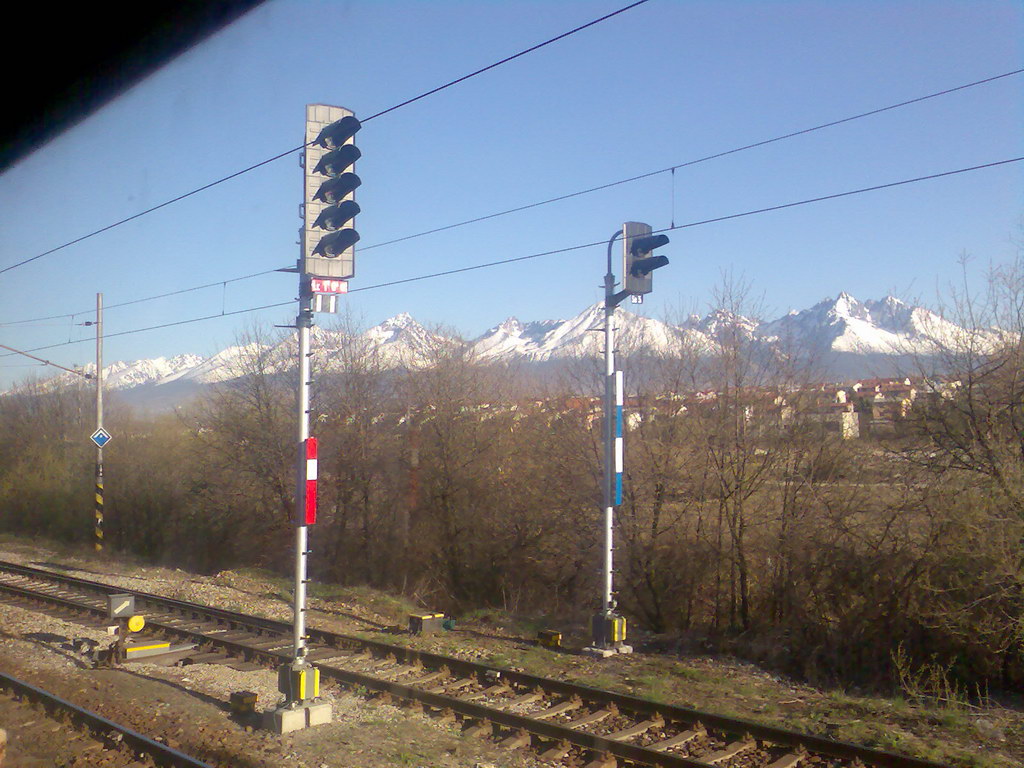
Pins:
x,y
14,351
670,169
506,60
147,298
516,259
303,146
686,164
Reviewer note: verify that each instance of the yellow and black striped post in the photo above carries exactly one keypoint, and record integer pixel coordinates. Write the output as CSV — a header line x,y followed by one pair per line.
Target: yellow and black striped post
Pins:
x,y
99,507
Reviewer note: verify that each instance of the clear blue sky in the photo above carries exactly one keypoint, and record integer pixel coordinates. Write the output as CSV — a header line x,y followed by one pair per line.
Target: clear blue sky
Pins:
x,y
659,85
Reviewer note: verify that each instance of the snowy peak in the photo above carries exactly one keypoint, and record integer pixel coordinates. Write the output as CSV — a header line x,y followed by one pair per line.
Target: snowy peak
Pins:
x,y
720,324
578,336
843,325
127,374
511,327
512,338
230,363
401,341
847,307
396,328
122,375
400,322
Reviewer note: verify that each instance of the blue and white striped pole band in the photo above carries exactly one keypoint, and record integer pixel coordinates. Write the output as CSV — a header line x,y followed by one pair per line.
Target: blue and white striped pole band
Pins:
x,y
618,437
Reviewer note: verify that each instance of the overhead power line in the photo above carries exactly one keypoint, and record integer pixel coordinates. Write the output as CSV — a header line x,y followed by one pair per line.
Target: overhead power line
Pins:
x,y
14,351
697,223
568,196
147,298
603,242
843,194
506,60
303,146
706,158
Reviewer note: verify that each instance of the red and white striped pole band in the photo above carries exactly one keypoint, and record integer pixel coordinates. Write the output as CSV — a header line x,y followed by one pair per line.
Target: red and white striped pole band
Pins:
x,y
311,466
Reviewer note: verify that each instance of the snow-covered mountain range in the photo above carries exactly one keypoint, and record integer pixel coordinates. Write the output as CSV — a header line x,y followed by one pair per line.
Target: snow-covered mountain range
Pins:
x,y
845,325
846,337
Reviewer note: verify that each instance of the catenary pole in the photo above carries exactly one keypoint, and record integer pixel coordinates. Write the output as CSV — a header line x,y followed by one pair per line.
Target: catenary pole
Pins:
x,y
98,530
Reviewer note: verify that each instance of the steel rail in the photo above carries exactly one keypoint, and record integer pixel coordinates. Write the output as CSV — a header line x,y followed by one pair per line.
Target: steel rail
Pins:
x,y
161,753
622,702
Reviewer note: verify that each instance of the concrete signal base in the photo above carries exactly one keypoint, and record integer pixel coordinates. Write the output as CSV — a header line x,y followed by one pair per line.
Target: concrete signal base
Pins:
x,y
604,653
295,717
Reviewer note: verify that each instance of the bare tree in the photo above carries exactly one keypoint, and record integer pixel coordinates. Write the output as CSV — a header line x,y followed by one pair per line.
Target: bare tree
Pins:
x,y
974,421
363,454
245,429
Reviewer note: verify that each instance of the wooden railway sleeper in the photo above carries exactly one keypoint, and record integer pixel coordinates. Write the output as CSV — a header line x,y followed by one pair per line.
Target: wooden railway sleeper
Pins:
x,y
479,729
593,717
730,751
429,677
790,760
516,740
528,698
498,689
683,737
602,760
452,687
568,705
635,730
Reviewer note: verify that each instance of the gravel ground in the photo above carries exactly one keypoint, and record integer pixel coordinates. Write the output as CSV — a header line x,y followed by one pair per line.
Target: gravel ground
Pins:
x,y
36,741
368,734
187,707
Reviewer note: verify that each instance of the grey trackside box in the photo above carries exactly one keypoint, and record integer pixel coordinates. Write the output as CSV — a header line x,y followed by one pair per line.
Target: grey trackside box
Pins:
x,y
120,606
425,623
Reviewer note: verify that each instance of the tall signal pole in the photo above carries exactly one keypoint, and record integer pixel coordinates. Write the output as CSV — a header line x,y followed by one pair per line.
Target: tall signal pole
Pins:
x,y
303,322
326,261
608,627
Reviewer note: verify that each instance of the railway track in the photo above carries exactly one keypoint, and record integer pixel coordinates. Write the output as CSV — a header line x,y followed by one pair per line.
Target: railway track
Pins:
x,y
101,727
560,719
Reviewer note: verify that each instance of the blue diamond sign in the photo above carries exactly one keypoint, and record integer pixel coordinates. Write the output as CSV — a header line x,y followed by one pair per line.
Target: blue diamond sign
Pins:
x,y
101,437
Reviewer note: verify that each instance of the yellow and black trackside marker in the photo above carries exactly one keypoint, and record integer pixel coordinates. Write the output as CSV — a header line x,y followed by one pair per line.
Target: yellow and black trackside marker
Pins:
x,y
99,516
243,702
136,623
425,623
309,684
147,649
152,649
299,684
617,629
549,638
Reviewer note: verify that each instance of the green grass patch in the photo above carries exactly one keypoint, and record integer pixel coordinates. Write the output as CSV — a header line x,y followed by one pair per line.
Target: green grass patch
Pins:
x,y
653,687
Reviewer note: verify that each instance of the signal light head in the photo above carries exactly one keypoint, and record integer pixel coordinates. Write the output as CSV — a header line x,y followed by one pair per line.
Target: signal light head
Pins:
x,y
641,245
337,162
336,243
338,132
642,267
335,190
337,216
638,262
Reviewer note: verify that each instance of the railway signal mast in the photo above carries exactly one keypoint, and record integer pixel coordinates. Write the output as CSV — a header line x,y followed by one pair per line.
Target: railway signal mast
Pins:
x,y
638,243
326,262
